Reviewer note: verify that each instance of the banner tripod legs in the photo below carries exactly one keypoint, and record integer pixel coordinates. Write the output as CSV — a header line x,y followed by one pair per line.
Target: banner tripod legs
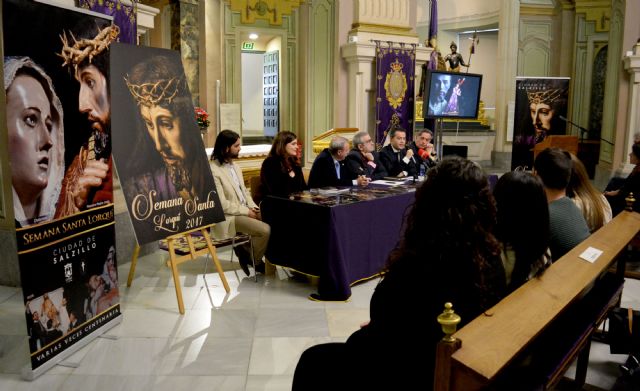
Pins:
x,y
132,268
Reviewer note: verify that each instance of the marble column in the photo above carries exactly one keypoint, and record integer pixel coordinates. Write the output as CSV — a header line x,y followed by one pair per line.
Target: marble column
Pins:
x,y
506,66
632,65
185,37
360,58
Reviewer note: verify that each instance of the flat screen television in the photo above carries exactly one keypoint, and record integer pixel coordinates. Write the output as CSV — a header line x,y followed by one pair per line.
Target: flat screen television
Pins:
x,y
452,95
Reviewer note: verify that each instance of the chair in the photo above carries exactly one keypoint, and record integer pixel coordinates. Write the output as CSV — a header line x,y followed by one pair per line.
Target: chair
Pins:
x,y
254,184
237,240
182,247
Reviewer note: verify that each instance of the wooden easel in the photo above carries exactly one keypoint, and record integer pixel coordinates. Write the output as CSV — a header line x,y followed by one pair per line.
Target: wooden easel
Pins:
x,y
175,260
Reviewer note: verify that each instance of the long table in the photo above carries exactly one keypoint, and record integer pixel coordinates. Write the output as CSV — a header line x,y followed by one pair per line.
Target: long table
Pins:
x,y
342,239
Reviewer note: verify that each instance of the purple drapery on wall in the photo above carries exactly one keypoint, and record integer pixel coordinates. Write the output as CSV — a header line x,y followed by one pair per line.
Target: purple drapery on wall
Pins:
x,y
124,16
433,33
395,71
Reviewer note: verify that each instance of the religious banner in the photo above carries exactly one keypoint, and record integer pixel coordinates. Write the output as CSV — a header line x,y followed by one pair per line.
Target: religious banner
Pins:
x,y
162,164
56,68
541,105
395,70
124,16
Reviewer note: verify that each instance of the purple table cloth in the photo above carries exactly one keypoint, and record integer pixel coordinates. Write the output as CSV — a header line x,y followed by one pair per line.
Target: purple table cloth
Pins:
x,y
341,239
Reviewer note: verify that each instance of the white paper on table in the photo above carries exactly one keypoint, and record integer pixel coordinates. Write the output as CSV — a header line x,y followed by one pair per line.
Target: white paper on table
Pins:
x,y
591,254
387,183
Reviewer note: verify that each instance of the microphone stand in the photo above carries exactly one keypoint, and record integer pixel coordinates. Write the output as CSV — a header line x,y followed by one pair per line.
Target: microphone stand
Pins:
x,y
583,153
583,130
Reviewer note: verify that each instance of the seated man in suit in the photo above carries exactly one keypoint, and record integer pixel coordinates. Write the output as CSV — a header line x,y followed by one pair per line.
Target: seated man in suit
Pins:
x,y
362,162
396,159
567,226
423,149
329,170
242,214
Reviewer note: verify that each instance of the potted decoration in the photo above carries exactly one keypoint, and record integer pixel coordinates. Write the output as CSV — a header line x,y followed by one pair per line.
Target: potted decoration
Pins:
x,y
202,118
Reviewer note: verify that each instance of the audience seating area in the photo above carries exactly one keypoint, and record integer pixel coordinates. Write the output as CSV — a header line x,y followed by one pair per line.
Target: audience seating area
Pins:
x,y
544,325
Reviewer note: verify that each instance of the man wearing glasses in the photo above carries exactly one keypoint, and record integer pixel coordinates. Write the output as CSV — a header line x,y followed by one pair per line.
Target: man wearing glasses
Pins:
x,y
363,164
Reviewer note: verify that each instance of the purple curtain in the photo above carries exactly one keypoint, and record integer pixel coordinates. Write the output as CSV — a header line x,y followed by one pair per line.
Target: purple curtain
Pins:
x,y
433,33
124,16
395,71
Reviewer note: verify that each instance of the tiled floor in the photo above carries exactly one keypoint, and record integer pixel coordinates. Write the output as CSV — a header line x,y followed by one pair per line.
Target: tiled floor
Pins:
x,y
249,339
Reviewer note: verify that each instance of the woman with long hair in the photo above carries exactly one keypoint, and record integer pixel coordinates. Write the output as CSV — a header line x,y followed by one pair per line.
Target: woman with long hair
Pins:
x,y
593,204
522,226
281,173
448,253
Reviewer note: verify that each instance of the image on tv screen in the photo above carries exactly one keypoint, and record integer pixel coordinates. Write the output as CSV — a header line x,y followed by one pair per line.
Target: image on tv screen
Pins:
x,y
453,95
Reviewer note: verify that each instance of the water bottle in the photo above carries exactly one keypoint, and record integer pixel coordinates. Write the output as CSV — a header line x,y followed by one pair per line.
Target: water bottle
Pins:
x,y
421,175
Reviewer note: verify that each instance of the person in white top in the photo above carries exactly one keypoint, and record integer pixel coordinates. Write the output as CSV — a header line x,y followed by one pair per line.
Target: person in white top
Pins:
x,y
240,210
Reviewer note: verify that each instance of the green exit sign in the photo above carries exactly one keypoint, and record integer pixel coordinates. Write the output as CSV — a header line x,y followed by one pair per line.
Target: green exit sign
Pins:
x,y
247,45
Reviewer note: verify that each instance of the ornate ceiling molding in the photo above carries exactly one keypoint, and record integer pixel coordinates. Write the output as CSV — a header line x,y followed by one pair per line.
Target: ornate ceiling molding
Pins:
x,y
270,10
597,11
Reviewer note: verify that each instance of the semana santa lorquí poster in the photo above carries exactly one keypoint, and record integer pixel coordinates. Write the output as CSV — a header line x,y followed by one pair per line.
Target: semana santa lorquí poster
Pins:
x,y
540,102
161,160
58,125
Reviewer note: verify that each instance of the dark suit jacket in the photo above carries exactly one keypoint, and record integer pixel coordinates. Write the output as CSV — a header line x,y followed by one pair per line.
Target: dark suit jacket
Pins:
x,y
323,172
428,163
395,166
357,165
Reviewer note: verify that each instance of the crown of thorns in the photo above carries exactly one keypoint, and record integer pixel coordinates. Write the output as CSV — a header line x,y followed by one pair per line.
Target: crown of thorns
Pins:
x,y
156,93
546,96
85,47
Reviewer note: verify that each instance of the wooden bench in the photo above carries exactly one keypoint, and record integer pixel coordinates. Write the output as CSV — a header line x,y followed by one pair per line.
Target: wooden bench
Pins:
x,y
535,333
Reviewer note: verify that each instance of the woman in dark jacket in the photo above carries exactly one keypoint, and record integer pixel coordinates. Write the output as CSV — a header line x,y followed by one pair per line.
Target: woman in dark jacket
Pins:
x,y
452,258
630,185
281,173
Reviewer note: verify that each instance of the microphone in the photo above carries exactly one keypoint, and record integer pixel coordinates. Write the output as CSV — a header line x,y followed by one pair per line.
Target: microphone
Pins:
x,y
562,117
422,153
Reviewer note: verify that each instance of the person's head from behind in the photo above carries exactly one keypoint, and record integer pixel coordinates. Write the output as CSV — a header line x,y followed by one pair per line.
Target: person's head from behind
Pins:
x,y
285,146
634,156
522,220
159,88
457,199
339,148
227,146
398,138
441,85
553,166
581,189
423,138
85,51
363,142
34,125
579,178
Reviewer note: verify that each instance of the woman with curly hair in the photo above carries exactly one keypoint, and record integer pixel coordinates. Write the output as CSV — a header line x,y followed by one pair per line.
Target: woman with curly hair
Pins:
x,y
452,258
281,173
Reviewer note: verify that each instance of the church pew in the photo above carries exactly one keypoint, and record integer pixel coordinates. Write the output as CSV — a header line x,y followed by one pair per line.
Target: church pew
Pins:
x,y
536,332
